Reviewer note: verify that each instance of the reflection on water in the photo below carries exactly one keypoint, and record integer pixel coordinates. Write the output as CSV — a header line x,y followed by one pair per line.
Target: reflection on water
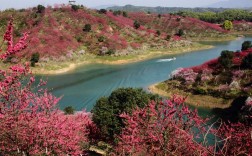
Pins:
x,y
82,87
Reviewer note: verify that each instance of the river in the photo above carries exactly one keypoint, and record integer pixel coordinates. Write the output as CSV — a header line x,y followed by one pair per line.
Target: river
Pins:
x,y
81,87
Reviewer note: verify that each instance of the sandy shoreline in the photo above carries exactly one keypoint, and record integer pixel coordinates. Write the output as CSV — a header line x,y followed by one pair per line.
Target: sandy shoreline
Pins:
x,y
193,100
136,58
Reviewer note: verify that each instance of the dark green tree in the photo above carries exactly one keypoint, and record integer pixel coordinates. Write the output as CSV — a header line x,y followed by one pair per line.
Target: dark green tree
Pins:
x,y
136,24
69,110
125,14
226,58
246,45
107,110
102,11
34,59
40,8
247,61
180,32
75,7
87,28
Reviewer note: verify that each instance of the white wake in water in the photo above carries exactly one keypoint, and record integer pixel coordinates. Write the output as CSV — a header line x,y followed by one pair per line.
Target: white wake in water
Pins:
x,y
166,60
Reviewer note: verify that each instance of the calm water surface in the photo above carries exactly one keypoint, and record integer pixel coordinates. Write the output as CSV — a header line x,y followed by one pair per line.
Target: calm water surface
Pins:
x,y
81,87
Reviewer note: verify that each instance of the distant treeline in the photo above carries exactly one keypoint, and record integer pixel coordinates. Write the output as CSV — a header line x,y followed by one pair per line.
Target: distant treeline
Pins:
x,y
219,17
212,15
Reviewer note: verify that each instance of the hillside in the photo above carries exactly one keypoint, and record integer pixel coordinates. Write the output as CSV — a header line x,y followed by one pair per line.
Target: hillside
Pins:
x,y
59,33
216,83
232,4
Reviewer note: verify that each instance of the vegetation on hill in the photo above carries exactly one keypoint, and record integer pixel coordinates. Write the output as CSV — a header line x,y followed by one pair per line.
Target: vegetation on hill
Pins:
x,y
227,77
62,32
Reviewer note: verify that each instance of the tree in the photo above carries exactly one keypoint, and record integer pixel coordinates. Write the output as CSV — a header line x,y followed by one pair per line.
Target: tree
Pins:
x,y
180,32
87,28
34,59
136,24
158,32
69,110
246,45
75,7
171,128
41,9
247,61
107,109
103,11
227,25
159,15
11,48
125,14
226,58
31,124
164,128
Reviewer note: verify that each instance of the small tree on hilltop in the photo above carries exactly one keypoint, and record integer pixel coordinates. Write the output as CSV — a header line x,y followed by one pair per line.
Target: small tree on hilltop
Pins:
x,y
136,24
40,9
246,45
226,58
227,25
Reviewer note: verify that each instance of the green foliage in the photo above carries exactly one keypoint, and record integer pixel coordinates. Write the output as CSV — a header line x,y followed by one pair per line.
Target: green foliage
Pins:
x,y
40,9
102,11
107,109
75,7
117,12
180,32
69,110
87,28
226,58
125,14
110,52
34,59
227,25
136,24
246,45
101,38
247,61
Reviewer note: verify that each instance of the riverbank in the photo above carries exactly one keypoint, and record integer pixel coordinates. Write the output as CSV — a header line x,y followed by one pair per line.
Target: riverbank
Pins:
x,y
194,100
53,68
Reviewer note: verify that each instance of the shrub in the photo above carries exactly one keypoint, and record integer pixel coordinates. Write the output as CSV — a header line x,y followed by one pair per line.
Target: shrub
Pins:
x,y
180,32
227,25
34,59
246,45
107,109
136,24
168,37
87,28
159,15
101,38
102,11
40,9
247,61
158,32
110,52
75,7
226,58
69,110
125,14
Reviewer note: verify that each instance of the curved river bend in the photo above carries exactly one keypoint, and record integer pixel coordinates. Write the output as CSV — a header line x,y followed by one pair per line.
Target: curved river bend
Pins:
x,y
81,87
